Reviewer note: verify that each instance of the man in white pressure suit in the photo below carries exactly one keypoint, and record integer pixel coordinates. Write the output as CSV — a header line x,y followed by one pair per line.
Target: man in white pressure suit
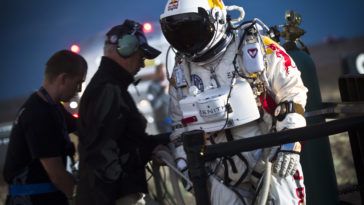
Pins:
x,y
233,82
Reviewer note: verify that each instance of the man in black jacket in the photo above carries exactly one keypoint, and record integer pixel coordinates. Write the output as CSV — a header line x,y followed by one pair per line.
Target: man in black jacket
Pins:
x,y
113,145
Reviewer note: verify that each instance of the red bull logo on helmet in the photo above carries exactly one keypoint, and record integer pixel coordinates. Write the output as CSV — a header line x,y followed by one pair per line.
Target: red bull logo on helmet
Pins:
x,y
173,5
216,3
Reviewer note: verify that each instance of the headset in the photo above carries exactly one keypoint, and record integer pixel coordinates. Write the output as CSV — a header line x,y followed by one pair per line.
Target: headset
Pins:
x,y
128,43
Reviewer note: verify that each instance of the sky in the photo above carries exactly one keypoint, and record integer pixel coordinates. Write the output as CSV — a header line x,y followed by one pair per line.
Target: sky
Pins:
x,y
31,31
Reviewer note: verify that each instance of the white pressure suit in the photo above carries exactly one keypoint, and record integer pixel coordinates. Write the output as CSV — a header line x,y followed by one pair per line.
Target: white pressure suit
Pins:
x,y
198,86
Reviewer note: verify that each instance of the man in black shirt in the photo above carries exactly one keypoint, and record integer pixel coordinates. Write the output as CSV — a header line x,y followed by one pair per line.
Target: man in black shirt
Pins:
x,y
113,144
35,166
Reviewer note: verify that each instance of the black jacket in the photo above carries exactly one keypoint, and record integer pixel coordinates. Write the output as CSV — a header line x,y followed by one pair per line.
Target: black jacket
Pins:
x,y
113,145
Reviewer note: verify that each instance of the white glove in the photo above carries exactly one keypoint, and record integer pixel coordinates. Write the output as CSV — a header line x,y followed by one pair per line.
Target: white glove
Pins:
x,y
180,157
182,166
286,163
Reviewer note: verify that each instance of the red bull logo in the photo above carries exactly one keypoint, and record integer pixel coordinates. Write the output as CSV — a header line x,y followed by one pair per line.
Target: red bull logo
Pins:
x,y
300,191
280,53
173,5
216,3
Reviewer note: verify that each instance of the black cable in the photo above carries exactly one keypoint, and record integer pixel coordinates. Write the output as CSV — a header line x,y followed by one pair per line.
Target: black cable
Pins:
x,y
227,102
246,30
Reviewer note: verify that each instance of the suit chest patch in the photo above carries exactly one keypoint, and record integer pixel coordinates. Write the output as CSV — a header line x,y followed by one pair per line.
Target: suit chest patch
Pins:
x,y
197,81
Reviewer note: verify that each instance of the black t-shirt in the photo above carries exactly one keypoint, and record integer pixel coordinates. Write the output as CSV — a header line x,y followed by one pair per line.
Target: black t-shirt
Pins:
x,y
36,134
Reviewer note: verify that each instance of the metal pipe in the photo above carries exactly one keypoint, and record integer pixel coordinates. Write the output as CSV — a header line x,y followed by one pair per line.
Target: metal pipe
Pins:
x,y
266,182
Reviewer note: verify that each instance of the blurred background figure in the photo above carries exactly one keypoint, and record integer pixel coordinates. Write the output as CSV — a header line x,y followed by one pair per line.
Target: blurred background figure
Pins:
x,y
158,97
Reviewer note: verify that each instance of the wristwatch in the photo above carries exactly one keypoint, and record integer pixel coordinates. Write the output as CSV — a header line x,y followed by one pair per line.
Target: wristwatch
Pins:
x,y
286,107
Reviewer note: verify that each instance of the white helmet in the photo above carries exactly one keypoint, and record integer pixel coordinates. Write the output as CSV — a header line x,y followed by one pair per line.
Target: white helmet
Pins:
x,y
193,27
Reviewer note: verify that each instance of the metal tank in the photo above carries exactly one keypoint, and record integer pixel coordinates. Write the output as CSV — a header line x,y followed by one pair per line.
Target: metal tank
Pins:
x,y
316,158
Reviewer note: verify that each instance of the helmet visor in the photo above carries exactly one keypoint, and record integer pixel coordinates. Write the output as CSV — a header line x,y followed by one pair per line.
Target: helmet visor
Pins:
x,y
189,33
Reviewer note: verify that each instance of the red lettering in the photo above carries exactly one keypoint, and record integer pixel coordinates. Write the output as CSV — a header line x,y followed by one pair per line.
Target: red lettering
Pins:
x,y
300,192
297,175
280,53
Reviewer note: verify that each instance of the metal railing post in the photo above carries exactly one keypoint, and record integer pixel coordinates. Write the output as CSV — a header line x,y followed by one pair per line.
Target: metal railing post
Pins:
x,y
194,145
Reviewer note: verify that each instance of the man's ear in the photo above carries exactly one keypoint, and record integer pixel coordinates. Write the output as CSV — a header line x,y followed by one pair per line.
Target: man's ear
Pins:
x,y
61,78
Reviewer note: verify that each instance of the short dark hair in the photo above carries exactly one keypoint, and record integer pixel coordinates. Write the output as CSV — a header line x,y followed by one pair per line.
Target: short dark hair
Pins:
x,y
65,61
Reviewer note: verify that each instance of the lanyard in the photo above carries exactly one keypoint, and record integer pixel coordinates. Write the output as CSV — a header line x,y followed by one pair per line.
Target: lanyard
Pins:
x,y
70,150
58,110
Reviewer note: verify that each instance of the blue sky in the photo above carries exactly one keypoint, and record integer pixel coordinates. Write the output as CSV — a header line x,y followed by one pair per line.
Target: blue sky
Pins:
x,y
31,31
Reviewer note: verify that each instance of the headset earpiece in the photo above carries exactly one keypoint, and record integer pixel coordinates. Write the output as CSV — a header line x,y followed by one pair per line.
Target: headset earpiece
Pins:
x,y
127,45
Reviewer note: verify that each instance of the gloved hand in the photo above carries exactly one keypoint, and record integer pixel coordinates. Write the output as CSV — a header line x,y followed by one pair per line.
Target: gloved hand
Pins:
x,y
162,155
180,159
182,166
156,156
286,163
